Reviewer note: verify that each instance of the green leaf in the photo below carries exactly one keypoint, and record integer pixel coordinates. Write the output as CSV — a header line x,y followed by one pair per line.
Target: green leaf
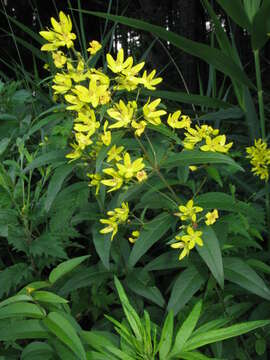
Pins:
x,y
213,56
251,115
37,350
251,7
195,355
56,183
213,173
194,157
167,260
65,332
15,299
222,114
236,11
24,28
185,98
131,314
261,26
48,297
185,331
21,309
150,234
186,285
222,201
65,267
210,252
258,265
3,145
35,285
22,329
152,293
96,339
223,334
166,337
102,244
45,159
240,273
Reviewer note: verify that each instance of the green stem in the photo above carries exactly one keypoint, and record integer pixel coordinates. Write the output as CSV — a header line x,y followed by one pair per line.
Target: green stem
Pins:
x,y
156,169
259,91
263,133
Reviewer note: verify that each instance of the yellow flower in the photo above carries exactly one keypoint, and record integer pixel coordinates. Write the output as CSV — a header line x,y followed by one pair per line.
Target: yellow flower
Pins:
x,y
122,113
192,237
116,217
99,77
139,126
126,83
119,64
173,121
112,227
95,46
120,214
77,73
259,156
192,137
59,59
91,94
189,211
151,114
185,245
83,140
132,71
141,176
76,153
148,81
114,153
216,144
61,34
86,122
75,101
62,83
107,135
29,289
188,241
211,217
134,237
129,169
95,181
116,182
193,167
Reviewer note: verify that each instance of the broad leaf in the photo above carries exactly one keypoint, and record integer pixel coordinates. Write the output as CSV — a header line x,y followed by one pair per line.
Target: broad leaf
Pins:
x,y
166,337
223,334
240,273
194,157
213,56
65,267
151,233
186,285
211,254
65,332
185,331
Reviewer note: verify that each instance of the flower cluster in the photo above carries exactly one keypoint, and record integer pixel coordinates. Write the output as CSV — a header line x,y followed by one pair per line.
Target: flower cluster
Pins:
x,y
259,156
88,93
206,139
116,217
191,237
100,109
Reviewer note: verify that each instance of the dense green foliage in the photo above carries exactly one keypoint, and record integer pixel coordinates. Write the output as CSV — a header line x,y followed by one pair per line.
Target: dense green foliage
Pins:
x,y
59,274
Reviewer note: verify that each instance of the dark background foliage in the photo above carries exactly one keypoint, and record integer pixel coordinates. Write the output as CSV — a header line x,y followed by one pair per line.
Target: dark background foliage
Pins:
x,y
185,17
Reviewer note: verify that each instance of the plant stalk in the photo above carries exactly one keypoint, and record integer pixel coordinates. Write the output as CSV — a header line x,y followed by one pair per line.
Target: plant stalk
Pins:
x,y
259,92
263,133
